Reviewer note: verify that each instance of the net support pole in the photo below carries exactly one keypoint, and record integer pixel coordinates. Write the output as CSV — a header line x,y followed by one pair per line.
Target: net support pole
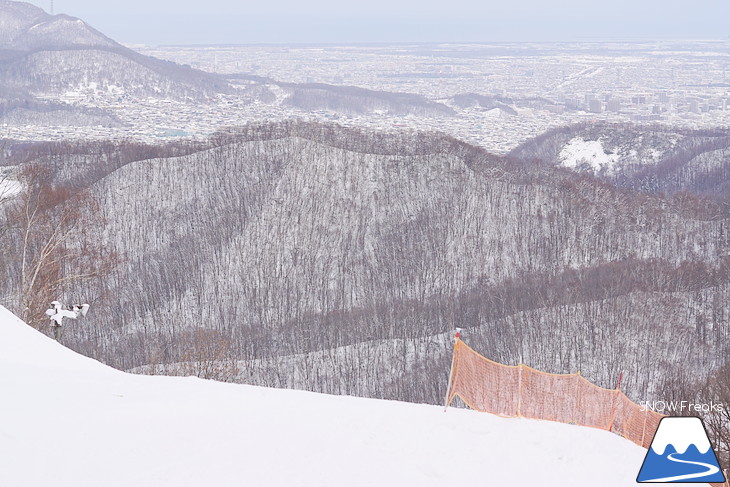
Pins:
x,y
457,335
614,406
575,397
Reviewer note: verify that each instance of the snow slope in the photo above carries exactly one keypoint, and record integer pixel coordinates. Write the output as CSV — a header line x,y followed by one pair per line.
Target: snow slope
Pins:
x,y
579,151
67,420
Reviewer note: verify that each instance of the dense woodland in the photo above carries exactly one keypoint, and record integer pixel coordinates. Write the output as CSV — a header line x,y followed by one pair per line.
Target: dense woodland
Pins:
x,y
652,159
337,260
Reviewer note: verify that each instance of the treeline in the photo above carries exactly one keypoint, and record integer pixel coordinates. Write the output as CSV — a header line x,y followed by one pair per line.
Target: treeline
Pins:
x,y
78,164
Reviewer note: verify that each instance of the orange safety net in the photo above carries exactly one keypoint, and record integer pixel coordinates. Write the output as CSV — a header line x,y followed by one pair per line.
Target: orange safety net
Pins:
x,y
510,391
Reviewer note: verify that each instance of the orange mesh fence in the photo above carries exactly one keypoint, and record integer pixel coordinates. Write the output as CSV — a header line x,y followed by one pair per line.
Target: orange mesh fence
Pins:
x,y
520,390
470,374
595,406
547,396
633,423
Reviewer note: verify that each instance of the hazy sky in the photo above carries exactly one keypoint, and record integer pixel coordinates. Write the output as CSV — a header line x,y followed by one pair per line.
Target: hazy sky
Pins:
x,y
330,21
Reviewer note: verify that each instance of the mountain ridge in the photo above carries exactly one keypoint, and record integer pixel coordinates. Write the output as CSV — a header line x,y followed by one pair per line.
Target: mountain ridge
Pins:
x,y
27,27
53,54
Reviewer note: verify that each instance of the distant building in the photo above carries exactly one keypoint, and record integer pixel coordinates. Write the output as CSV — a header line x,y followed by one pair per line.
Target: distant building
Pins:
x,y
557,109
613,105
694,106
572,103
594,106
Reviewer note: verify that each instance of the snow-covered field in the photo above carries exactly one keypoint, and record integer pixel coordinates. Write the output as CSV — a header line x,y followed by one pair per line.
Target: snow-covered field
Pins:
x,y
67,420
579,151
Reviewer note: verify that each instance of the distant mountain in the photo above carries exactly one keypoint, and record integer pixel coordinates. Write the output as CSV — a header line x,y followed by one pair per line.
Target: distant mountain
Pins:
x,y
656,159
352,100
346,100
53,55
46,55
468,100
30,111
26,27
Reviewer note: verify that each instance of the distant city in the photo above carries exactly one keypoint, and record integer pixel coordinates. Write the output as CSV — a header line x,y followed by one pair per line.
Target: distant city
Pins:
x,y
501,94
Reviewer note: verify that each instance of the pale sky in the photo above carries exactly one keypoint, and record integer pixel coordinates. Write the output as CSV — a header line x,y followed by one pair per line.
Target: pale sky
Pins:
x,y
330,21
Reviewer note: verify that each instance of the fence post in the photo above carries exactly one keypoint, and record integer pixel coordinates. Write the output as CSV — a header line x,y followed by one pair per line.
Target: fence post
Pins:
x,y
575,398
457,335
615,401
614,407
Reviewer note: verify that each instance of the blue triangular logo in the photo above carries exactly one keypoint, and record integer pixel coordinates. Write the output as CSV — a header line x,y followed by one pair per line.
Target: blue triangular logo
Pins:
x,y
680,452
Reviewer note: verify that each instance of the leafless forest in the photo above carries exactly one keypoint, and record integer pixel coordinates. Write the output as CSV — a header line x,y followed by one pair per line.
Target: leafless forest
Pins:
x,y
337,260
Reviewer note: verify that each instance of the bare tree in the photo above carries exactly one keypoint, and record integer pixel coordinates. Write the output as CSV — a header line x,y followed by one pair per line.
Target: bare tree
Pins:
x,y
51,245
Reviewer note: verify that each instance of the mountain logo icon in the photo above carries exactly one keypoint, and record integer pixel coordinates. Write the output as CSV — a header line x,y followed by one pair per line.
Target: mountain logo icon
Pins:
x,y
680,452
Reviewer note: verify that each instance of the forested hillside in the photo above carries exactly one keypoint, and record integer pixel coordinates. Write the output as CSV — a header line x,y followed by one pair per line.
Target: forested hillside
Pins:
x,y
337,260
655,159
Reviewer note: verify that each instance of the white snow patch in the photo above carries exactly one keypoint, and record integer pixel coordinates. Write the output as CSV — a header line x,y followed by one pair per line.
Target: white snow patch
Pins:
x,y
9,187
579,151
656,154
67,420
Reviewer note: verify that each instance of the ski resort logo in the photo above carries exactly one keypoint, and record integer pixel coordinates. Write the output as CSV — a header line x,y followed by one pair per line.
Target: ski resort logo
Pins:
x,y
680,452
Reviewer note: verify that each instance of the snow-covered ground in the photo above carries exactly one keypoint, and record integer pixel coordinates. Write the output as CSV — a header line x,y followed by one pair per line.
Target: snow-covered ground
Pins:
x,y
67,420
9,187
579,151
